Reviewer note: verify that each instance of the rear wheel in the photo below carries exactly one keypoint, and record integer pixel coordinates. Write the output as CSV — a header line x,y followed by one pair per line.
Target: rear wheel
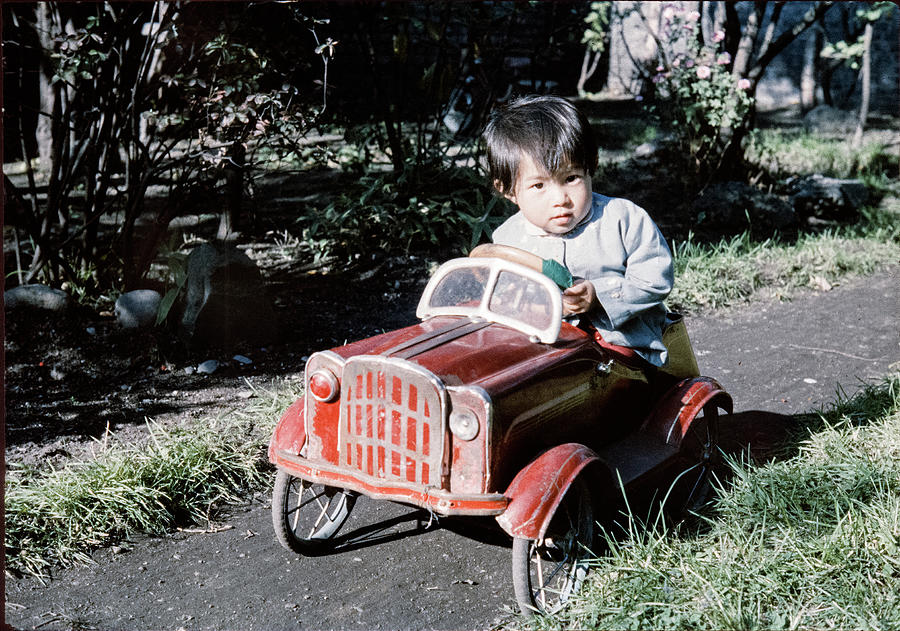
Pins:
x,y
306,515
699,454
549,571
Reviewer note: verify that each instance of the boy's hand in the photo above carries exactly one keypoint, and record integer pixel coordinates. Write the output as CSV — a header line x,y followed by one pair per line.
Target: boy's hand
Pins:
x,y
579,298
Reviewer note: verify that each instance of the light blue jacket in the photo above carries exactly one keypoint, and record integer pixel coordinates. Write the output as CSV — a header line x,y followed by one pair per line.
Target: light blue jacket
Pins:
x,y
621,251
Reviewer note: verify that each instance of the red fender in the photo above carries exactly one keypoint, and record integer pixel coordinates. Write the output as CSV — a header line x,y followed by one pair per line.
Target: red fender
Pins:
x,y
290,432
538,489
672,416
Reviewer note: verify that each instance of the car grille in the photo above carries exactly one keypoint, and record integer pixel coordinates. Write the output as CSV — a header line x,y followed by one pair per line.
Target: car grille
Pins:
x,y
391,424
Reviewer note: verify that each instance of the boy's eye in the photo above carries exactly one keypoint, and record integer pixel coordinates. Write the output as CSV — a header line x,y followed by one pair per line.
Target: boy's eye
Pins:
x,y
573,178
538,185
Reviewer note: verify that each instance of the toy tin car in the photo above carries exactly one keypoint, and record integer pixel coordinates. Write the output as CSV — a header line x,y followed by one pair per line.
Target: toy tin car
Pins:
x,y
495,405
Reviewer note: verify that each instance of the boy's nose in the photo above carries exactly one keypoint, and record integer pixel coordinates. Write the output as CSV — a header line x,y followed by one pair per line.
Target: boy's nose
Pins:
x,y
560,196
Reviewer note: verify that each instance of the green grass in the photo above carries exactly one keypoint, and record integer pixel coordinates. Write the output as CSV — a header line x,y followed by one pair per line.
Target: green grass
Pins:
x,y
736,270
181,476
808,542
781,154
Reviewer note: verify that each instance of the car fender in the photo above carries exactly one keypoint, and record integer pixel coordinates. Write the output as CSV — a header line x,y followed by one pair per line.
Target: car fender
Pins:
x,y
537,490
290,432
672,416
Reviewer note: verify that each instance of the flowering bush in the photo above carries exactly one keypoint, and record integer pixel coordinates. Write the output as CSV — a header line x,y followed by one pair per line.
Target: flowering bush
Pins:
x,y
696,94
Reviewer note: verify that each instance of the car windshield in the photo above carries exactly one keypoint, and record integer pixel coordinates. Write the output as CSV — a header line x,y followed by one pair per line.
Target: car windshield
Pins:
x,y
498,291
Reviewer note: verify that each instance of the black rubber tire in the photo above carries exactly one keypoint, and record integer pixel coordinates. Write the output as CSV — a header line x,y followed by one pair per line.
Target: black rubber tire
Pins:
x,y
305,515
548,572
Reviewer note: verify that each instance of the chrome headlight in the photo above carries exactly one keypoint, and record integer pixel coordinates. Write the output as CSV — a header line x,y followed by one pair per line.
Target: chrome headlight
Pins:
x,y
464,424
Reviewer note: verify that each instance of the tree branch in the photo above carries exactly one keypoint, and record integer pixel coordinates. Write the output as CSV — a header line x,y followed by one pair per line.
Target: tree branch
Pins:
x,y
782,41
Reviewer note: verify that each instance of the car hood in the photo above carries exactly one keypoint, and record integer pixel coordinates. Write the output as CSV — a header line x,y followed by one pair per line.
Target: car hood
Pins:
x,y
461,351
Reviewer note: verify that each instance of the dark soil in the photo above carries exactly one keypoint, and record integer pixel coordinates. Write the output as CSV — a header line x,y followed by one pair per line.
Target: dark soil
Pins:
x,y
72,378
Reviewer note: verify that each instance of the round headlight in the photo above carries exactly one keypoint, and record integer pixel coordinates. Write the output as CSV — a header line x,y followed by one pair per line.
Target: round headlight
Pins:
x,y
323,385
464,424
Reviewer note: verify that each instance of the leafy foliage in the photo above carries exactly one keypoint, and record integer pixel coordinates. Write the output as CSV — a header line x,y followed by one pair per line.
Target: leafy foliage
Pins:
x,y
382,216
850,51
696,95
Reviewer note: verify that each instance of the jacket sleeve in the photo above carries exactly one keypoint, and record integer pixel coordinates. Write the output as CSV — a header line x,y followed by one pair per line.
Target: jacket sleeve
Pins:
x,y
648,272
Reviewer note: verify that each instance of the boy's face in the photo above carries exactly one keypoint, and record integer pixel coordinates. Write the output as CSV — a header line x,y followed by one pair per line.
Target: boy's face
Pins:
x,y
554,203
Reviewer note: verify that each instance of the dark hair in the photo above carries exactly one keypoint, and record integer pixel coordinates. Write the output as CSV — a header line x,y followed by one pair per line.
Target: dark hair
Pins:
x,y
548,128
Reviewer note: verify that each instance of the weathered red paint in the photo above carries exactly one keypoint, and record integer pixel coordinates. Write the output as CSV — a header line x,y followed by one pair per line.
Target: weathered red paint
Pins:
x,y
436,500
290,433
538,489
673,414
547,413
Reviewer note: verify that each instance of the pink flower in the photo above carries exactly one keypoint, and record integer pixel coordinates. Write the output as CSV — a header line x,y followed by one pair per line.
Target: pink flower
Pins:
x,y
723,59
718,36
693,16
744,84
703,72
660,68
668,13
676,63
689,63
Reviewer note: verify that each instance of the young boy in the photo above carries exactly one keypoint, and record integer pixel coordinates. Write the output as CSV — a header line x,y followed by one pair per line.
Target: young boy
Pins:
x,y
541,155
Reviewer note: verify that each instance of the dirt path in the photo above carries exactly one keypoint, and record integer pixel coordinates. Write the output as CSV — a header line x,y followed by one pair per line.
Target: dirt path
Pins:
x,y
392,572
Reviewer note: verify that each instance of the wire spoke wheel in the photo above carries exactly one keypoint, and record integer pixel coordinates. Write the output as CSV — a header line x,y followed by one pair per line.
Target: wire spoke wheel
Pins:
x,y
306,515
699,453
549,571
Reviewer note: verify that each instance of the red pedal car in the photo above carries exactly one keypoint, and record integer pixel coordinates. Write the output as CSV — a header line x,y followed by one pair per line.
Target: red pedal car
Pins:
x,y
494,405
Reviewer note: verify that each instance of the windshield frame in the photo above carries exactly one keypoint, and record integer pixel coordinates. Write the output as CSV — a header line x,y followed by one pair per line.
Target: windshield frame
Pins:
x,y
547,335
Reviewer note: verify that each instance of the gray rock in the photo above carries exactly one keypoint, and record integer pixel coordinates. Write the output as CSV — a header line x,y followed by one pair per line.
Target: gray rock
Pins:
x,y
737,206
208,367
828,198
225,298
36,297
647,150
137,309
825,119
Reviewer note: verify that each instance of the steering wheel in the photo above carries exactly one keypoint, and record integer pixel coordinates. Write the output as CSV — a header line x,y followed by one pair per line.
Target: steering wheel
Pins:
x,y
508,253
550,268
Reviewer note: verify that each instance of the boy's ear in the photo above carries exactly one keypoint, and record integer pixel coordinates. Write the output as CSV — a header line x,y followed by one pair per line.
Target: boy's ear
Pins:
x,y
510,195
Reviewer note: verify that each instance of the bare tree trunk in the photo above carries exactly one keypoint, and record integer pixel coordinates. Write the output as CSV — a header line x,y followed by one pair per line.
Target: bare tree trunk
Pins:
x,y
866,84
229,220
631,46
588,67
44,132
772,47
809,76
747,43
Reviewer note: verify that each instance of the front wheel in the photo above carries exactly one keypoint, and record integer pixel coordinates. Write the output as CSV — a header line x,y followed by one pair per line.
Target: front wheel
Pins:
x,y
306,515
549,571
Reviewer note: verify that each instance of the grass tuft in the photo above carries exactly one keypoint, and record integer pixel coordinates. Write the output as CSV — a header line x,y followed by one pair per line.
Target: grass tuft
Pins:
x,y
782,154
808,542
183,475
737,270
